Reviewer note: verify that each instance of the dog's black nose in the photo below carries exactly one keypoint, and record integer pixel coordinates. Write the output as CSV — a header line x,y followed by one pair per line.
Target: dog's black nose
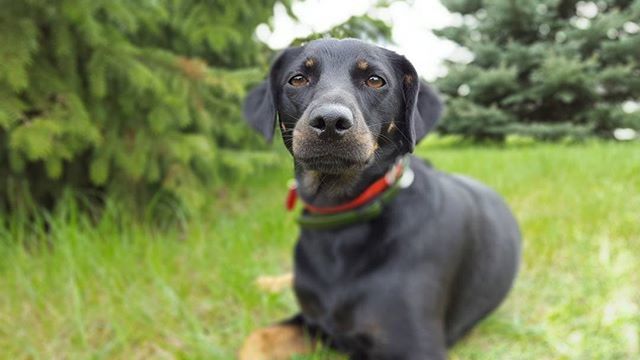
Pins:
x,y
331,120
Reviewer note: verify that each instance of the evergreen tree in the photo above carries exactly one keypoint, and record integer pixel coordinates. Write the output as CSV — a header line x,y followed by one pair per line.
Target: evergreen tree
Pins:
x,y
543,68
130,96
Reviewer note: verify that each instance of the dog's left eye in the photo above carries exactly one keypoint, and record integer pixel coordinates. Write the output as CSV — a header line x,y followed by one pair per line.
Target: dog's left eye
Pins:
x,y
298,80
375,81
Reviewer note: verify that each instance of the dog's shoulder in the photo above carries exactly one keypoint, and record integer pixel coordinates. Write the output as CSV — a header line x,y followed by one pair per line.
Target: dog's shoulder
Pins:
x,y
451,187
426,168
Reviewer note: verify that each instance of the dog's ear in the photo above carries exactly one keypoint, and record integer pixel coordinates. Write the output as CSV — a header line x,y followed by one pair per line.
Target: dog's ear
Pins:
x,y
260,104
423,106
260,109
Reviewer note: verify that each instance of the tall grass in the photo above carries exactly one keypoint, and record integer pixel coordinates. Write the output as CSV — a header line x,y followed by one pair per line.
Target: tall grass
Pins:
x,y
114,287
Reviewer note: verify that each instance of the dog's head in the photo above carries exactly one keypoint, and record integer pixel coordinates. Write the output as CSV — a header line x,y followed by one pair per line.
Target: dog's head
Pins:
x,y
342,104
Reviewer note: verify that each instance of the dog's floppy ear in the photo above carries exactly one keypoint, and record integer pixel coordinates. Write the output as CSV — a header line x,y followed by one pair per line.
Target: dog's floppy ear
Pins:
x,y
260,104
260,109
423,106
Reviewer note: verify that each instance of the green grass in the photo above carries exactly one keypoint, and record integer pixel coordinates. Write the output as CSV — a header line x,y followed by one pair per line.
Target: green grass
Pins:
x,y
120,289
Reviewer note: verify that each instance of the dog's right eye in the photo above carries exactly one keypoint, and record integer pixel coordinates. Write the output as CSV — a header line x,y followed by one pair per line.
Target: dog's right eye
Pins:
x,y
375,81
298,80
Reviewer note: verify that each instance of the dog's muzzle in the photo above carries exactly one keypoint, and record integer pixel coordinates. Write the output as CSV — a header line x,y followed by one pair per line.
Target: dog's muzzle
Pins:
x,y
332,137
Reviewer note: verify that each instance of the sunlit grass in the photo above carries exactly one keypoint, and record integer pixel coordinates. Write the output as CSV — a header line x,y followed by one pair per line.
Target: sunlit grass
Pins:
x,y
120,289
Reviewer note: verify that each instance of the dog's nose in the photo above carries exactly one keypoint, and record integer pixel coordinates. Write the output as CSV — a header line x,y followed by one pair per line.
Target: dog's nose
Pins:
x,y
331,120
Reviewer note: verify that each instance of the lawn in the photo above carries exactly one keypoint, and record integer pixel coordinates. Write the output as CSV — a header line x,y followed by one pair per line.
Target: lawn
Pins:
x,y
117,288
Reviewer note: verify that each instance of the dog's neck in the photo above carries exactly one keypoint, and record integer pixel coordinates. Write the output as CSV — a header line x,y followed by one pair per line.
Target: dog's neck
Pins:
x,y
320,189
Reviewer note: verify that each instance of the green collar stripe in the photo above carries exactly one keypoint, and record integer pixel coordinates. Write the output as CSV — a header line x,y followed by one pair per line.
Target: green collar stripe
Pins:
x,y
365,213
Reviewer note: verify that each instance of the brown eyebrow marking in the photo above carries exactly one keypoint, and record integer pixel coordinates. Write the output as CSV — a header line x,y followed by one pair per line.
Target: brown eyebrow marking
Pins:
x,y
362,64
310,62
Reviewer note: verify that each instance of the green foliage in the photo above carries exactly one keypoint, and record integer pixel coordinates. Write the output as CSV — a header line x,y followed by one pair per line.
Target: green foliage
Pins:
x,y
131,96
548,69
463,6
363,27
486,123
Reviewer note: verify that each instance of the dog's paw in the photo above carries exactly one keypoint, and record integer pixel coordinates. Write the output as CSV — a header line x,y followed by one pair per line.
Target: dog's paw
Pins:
x,y
278,342
275,284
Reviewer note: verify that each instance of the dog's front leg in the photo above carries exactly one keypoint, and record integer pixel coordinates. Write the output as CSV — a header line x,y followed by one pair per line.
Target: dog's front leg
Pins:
x,y
277,342
280,342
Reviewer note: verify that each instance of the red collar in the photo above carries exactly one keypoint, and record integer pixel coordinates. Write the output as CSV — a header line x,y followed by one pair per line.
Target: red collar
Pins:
x,y
370,193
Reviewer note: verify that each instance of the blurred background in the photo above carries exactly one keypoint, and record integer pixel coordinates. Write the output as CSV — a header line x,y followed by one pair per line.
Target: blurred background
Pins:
x,y
137,207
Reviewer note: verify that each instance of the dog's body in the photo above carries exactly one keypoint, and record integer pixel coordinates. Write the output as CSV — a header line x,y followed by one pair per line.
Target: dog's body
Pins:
x,y
442,254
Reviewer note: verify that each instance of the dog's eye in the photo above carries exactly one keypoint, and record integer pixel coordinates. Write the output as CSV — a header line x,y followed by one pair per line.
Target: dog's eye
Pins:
x,y
375,81
298,80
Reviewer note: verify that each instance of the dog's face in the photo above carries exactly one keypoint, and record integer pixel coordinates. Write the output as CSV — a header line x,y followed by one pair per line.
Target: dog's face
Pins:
x,y
342,104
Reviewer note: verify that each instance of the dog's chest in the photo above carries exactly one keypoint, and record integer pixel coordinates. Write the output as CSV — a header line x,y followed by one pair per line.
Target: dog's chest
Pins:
x,y
338,284
341,309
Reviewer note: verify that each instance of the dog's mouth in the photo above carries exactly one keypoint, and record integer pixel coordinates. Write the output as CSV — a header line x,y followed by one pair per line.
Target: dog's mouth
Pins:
x,y
332,164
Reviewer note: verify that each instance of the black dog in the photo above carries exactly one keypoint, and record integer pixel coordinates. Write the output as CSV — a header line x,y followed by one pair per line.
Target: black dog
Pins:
x,y
395,260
